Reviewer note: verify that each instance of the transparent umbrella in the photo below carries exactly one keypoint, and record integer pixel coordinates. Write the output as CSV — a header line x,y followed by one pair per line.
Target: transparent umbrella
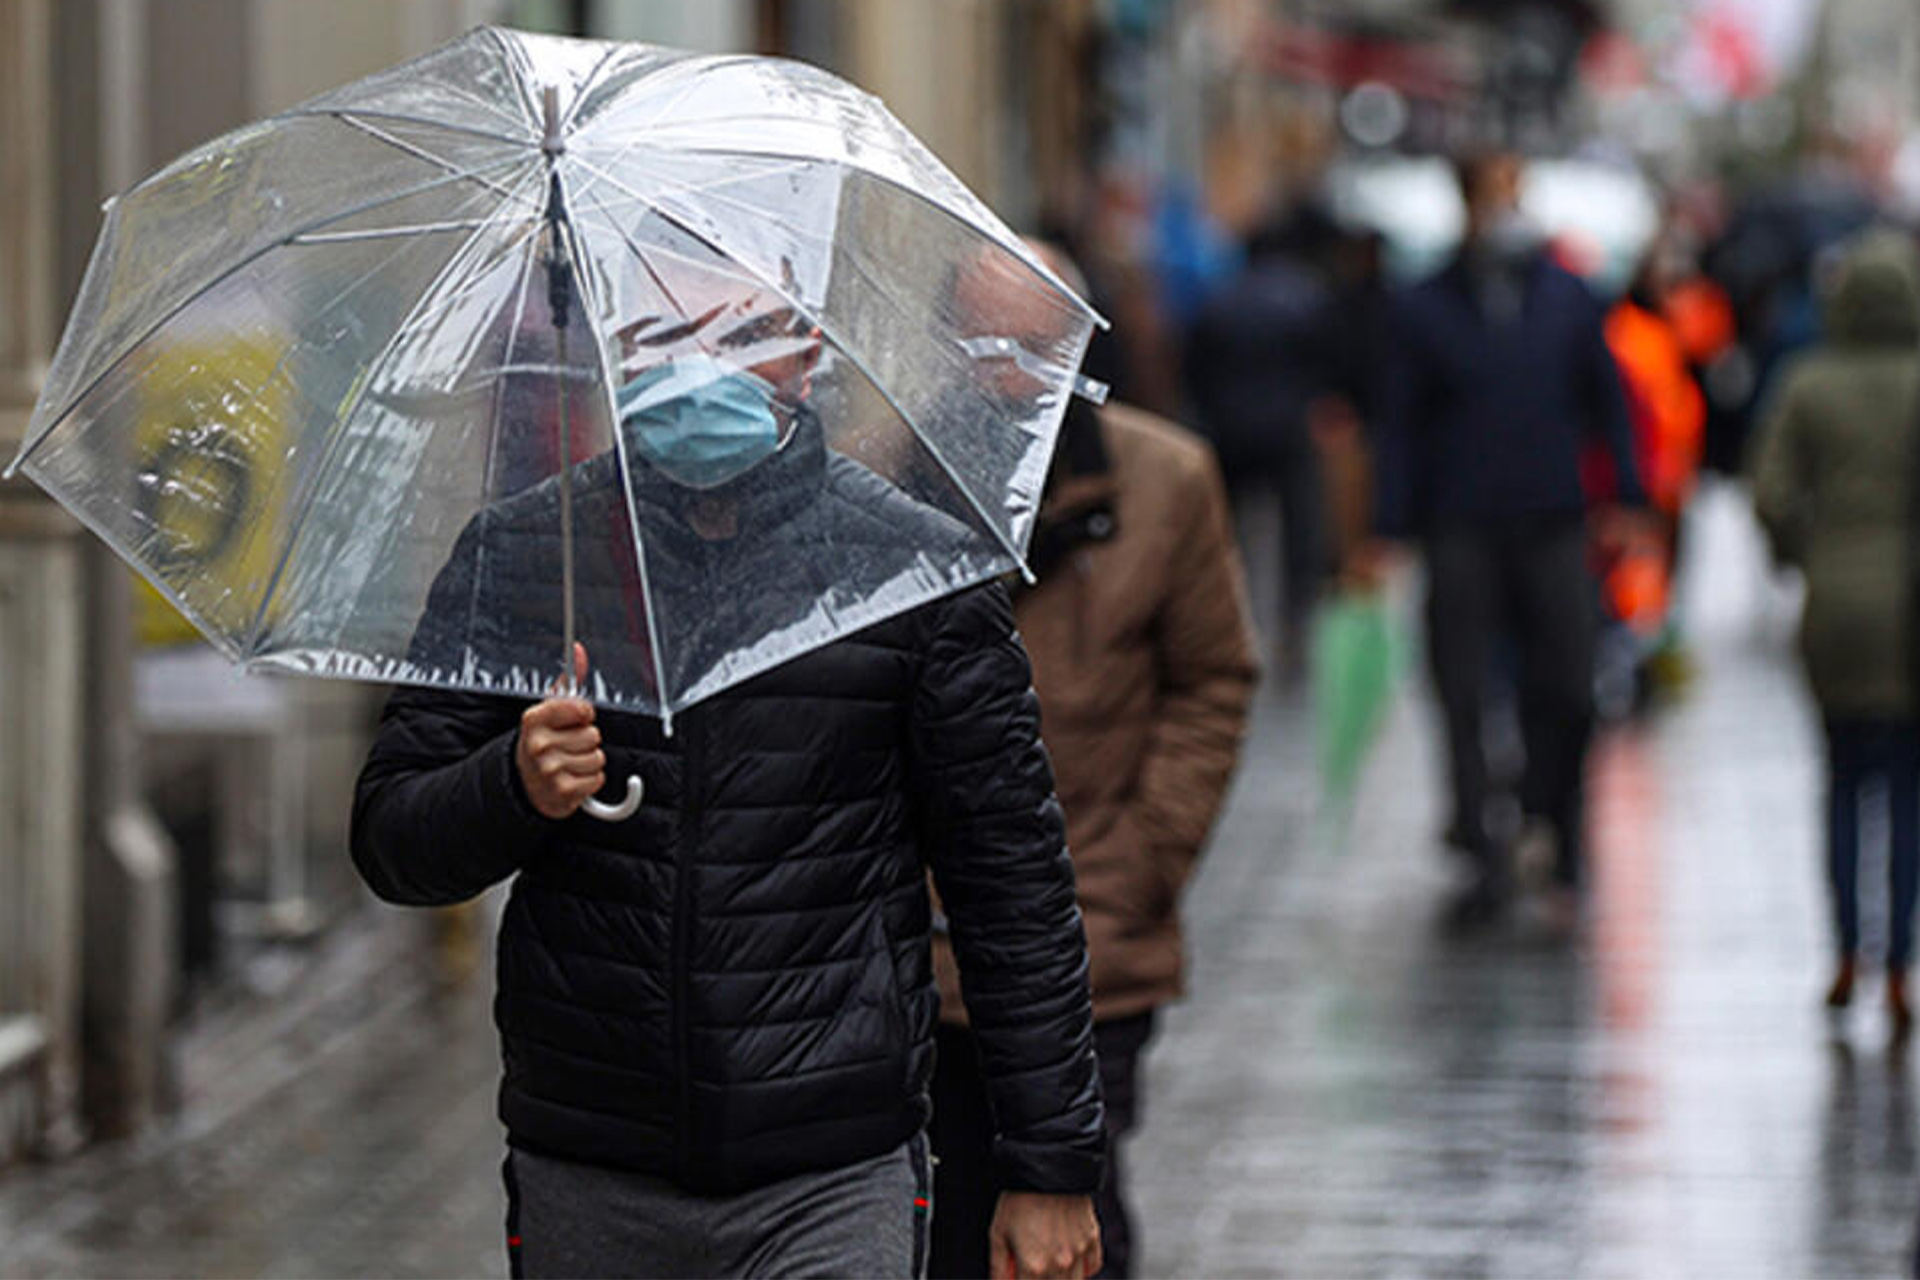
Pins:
x,y
697,361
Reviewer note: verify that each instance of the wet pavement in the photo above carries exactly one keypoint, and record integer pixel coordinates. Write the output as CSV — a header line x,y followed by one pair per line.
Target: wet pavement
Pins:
x,y
1350,1090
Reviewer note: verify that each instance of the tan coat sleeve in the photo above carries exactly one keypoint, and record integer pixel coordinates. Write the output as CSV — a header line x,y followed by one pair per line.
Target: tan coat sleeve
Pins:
x,y
1208,665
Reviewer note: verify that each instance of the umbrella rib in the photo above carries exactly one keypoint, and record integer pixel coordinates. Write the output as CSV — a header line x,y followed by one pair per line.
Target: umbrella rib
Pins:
x,y
389,233
519,71
783,166
689,70
219,278
586,86
587,287
336,432
418,152
425,122
832,334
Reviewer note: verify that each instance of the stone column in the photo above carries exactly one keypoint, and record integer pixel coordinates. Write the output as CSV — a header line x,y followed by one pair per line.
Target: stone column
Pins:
x,y
41,639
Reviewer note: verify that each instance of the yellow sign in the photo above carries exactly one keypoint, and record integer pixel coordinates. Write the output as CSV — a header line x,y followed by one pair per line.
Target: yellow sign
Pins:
x,y
211,444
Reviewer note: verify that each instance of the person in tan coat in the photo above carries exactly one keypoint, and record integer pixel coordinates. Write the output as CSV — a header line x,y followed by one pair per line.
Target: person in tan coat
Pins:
x,y
1144,660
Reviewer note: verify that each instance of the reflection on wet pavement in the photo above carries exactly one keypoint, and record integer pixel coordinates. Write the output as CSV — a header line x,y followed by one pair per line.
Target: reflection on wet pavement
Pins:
x,y
1353,1090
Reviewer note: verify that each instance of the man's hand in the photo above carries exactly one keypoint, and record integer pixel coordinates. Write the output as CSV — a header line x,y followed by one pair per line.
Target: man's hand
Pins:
x,y
558,750
1043,1237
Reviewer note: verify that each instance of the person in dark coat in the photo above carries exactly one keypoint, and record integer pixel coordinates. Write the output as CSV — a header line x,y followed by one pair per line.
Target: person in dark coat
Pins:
x,y
1261,352
1144,662
1833,485
717,1016
1498,376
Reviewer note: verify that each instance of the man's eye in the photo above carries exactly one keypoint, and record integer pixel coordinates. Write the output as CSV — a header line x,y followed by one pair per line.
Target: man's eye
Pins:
x,y
778,324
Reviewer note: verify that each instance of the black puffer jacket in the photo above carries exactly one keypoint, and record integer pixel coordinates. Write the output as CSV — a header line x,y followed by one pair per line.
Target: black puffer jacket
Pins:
x,y
734,985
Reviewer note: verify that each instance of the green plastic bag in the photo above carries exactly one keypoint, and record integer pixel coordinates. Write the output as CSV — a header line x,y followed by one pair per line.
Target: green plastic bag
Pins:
x,y
1356,664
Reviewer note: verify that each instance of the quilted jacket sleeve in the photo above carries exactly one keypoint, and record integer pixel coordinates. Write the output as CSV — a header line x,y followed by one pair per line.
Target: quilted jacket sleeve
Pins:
x,y
439,812
996,845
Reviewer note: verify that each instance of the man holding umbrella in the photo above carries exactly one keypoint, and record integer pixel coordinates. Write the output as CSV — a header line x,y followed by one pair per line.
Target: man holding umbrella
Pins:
x,y
717,1016
715,997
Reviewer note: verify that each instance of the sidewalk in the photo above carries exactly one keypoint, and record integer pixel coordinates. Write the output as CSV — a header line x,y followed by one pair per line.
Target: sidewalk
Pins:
x,y
340,1126
1351,1092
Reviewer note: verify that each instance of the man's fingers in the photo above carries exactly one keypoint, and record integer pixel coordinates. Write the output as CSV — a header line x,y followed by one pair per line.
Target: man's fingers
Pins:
x,y
559,765
571,791
581,766
582,786
572,742
999,1259
542,742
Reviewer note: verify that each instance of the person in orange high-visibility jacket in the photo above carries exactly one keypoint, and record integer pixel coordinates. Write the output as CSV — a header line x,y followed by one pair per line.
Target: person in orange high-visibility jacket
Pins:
x,y
1669,429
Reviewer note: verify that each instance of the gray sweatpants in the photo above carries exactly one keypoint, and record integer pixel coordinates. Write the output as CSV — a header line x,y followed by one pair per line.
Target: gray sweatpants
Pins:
x,y
868,1219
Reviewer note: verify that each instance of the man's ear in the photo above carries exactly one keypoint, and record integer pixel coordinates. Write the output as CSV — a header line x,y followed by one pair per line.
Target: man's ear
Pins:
x,y
809,361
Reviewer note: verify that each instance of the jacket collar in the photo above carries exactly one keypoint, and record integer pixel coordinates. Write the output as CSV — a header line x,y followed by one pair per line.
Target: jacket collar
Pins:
x,y
1082,471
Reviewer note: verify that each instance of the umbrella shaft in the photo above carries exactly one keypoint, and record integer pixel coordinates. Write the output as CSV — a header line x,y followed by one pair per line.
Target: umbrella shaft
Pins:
x,y
566,516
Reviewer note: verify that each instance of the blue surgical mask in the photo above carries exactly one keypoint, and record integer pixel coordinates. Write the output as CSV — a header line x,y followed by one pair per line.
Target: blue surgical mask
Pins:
x,y
700,421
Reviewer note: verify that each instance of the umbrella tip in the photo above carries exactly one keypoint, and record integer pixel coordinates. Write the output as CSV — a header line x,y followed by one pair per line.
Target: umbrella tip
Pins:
x,y
552,144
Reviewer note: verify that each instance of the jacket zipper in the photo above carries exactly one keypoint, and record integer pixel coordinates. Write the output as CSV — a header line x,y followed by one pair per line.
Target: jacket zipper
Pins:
x,y
692,766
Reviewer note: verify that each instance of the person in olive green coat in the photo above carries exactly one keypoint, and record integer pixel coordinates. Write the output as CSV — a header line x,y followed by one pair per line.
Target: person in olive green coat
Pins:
x,y
1834,477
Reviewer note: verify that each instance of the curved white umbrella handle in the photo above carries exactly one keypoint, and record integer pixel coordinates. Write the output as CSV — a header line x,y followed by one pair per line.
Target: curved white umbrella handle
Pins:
x,y
625,809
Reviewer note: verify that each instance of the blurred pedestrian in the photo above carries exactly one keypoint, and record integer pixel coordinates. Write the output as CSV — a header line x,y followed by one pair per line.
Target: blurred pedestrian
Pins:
x,y
1259,356
696,1084
1669,415
1834,485
1499,373
1144,661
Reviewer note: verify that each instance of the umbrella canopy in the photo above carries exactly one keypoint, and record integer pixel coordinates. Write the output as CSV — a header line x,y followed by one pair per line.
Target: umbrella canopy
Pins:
x,y
701,359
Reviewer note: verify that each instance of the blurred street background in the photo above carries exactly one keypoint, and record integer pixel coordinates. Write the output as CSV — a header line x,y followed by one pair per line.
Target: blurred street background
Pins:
x,y
219,1057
